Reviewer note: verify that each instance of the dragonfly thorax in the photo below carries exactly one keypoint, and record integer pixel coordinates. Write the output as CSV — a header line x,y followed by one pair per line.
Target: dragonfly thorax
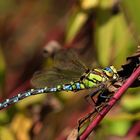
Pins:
x,y
96,76
93,78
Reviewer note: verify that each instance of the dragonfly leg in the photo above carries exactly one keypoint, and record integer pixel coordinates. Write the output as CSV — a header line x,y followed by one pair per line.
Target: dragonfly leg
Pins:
x,y
83,120
96,90
86,118
103,101
93,93
87,97
104,96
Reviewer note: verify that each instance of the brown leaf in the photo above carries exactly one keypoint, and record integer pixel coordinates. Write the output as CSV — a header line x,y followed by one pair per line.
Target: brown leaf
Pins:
x,y
73,135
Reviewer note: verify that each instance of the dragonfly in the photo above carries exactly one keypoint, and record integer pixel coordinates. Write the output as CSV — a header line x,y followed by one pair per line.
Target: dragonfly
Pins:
x,y
68,74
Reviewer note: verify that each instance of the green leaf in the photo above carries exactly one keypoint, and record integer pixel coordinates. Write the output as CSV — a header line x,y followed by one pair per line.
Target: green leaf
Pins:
x,y
131,11
131,103
113,40
76,22
119,127
30,101
4,116
6,134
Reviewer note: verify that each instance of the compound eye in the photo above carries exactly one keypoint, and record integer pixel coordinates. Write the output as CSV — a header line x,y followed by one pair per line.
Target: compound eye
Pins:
x,y
108,71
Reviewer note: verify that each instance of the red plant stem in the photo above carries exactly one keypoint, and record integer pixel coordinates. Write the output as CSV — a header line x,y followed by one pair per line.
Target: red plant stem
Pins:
x,y
134,131
23,87
113,100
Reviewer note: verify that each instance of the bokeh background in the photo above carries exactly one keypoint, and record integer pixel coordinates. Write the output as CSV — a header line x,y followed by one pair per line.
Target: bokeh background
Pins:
x,y
102,32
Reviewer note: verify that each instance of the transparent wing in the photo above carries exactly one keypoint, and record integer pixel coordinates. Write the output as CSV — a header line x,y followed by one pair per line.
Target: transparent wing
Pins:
x,y
68,67
69,61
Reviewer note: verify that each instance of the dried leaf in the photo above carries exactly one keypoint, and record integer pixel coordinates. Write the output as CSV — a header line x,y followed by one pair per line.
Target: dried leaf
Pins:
x,y
73,135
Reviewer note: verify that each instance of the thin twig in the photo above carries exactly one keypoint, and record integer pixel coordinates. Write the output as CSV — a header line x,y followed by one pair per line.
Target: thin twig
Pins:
x,y
111,103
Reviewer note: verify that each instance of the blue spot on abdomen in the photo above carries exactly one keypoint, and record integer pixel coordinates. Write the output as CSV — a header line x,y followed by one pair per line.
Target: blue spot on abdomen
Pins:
x,y
67,87
77,85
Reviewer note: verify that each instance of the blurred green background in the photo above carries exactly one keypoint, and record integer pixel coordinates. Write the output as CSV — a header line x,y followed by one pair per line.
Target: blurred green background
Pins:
x,y
103,32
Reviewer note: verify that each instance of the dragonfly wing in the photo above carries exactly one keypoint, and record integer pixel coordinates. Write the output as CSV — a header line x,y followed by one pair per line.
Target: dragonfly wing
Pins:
x,y
68,60
68,67
53,77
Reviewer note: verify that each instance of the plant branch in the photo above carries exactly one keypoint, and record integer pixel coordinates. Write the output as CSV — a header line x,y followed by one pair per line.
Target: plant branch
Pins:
x,y
111,103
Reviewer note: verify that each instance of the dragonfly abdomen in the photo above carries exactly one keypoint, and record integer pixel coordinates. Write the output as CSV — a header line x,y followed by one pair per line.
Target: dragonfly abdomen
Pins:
x,y
66,87
73,86
21,96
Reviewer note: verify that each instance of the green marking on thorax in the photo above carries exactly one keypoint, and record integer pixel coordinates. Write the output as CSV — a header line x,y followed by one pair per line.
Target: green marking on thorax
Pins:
x,y
88,83
91,84
95,76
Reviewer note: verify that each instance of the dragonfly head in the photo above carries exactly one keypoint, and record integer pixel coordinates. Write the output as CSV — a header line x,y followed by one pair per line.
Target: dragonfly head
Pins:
x,y
111,72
